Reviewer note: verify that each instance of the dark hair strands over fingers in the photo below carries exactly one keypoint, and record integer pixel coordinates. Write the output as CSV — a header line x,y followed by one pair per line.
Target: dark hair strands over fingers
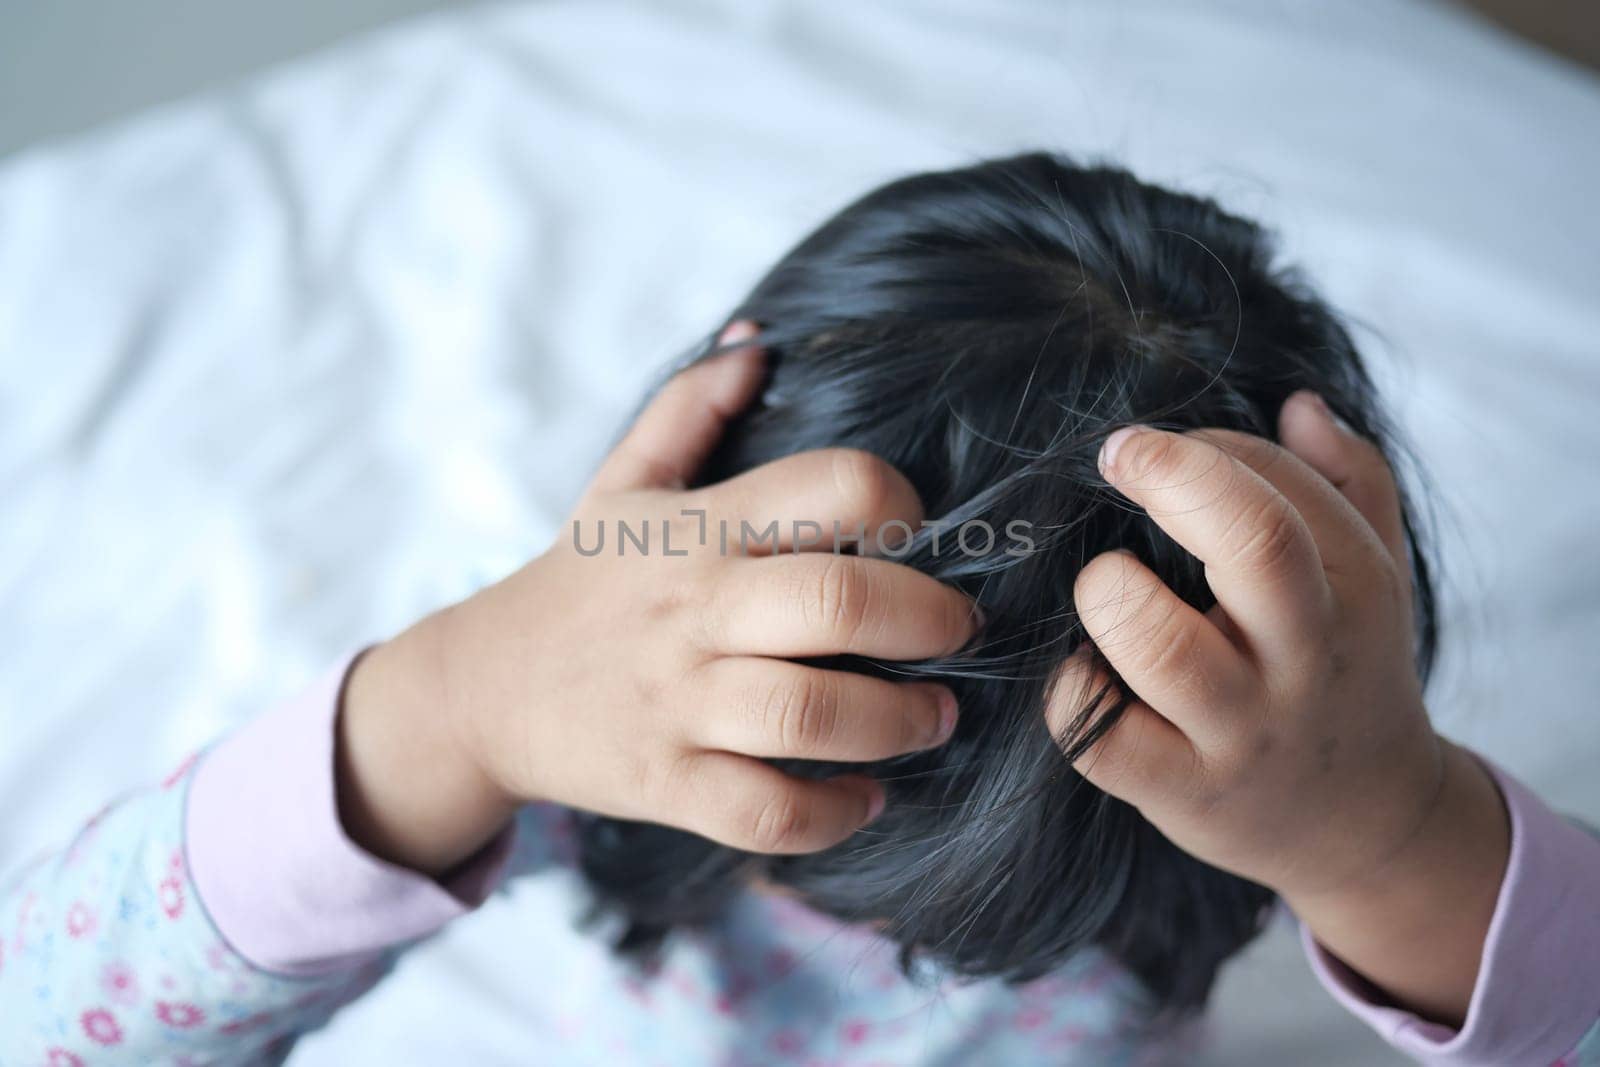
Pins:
x,y
983,330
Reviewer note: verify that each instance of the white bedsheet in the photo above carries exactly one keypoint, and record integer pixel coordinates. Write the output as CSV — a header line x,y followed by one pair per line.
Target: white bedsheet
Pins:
x,y
282,367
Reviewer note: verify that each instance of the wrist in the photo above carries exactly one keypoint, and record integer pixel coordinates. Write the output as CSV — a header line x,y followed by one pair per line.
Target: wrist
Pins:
x,y
1415,925
410,791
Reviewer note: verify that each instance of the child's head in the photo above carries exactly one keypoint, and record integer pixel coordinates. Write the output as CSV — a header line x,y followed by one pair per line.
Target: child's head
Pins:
x,y
983,330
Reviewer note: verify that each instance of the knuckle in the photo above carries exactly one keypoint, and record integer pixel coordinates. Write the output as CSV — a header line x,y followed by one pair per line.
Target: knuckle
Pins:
x,y
862,481
1267,535
840,597
1238,761
801,714
658,781
707,616
651,469
1170,650
664,604
777,822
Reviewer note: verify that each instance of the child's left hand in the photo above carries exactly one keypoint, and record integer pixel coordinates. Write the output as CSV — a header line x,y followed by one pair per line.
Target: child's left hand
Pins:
x,y
1282,736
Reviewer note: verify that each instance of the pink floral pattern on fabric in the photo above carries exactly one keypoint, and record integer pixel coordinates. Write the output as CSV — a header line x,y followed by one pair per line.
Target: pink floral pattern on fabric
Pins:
x,y
774,984
119,969
80,920
120,983
170,894
178,1014
101,1026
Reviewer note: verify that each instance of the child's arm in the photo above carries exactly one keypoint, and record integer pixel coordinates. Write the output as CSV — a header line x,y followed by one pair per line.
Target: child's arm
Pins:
x,y
1282,736
216,919
1537,977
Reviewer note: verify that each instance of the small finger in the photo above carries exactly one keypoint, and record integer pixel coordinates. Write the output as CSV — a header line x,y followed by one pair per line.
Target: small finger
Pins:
x,y
678,429
1167,652
1141,759
753,806
1354,466
774,708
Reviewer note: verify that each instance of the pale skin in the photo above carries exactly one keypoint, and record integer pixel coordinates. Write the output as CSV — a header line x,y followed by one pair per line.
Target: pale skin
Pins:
x,y
1281,736
648,687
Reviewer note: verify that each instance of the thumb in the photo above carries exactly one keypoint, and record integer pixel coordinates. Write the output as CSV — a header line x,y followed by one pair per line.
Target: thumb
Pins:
x,y
1353,464
678,428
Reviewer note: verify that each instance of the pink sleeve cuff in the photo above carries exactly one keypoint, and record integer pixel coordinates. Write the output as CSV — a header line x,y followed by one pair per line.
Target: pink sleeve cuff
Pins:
x,y
1538,987
271,863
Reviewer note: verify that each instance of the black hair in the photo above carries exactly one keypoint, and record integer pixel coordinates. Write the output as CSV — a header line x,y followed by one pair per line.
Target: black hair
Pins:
x,y
983,330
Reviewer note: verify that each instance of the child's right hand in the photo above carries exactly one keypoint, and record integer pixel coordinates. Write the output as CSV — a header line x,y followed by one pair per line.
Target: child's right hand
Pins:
x,y
1282,735
649,686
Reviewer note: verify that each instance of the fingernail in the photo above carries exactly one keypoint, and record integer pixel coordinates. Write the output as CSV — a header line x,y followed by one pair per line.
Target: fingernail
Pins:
x,y
875,805
947,717
737,333
1113,445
